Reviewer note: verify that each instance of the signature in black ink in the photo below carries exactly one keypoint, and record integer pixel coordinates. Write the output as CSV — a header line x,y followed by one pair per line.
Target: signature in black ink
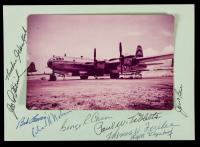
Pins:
x,y
179,97
18,51
12,91
17,54
10,70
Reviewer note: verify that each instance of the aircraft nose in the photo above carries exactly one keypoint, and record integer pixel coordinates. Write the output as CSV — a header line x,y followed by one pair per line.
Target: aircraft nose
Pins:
x,y
49,64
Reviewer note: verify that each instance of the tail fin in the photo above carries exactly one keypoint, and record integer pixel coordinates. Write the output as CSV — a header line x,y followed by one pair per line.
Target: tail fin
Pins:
x,y
139,52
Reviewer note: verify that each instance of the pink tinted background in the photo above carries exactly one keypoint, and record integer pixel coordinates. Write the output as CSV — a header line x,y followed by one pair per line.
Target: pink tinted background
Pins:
x,y
78,35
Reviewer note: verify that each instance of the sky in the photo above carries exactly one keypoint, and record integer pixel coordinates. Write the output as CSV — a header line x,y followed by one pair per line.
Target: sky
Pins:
x,y
78,35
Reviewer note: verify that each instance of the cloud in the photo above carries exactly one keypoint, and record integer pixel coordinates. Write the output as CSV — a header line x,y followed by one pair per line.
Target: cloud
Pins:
x,y
153,52
167,50
166,33
165,63
150,52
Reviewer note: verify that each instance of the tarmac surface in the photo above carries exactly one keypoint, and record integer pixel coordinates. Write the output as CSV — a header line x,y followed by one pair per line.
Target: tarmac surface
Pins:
x,y
72,93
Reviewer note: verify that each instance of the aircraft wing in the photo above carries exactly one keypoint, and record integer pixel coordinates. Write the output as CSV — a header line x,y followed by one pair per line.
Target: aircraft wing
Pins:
x,y
155,58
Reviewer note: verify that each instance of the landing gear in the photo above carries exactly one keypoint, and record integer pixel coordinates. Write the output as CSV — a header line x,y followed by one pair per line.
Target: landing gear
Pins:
x,y
138,76
114,75
52,77
84,77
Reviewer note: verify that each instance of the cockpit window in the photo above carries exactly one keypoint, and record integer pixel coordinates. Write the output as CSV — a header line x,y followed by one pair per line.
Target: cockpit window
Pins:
x,y
58,58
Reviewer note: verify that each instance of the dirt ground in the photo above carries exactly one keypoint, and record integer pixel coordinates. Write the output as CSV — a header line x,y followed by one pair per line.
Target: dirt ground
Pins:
x,y
100,94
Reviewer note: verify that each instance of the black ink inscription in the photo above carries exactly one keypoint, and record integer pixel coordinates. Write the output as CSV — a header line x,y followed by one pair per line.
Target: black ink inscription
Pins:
x,y
179,97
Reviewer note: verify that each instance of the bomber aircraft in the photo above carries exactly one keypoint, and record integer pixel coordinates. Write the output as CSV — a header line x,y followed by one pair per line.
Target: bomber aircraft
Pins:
x,y
122,65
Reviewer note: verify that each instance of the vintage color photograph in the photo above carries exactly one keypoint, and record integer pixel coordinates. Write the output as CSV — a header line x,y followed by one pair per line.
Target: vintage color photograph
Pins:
x,y
100,62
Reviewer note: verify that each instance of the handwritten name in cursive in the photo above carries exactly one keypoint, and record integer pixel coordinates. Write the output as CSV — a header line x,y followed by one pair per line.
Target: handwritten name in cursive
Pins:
x,y
165,128
95,117
12,92
101,127
91,118
149,129
17,55
40,121
15,79
66,126
139,117
179,97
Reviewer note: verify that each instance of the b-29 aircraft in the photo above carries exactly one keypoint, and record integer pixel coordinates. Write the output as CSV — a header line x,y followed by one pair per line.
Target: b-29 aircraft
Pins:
x,y
122,65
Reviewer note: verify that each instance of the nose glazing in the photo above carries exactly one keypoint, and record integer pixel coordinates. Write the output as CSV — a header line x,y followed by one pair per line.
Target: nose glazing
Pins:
x,y
49,64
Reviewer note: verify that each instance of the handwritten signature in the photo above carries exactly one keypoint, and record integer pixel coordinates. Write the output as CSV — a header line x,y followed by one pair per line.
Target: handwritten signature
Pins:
x,y
101,127
13,88
179,97
149,129
89,119
40,122
103,124
17,54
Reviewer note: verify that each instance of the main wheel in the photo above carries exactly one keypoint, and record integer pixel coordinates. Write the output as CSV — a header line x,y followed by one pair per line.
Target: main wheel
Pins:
x,y
84,77
140,76
52,77
114,75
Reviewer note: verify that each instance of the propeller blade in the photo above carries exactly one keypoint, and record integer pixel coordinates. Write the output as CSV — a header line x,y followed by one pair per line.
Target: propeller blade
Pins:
x,y
120,49
95,63
95,54
121,57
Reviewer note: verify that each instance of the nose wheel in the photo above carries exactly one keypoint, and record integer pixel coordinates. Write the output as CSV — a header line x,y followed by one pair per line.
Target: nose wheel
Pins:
x,y
52,77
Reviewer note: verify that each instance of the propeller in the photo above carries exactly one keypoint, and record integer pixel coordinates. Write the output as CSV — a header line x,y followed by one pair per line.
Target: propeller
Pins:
x,y
95,55
120,49
95,62
121,57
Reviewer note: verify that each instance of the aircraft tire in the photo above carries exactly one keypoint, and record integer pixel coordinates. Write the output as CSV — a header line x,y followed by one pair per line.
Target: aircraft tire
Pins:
x,y
114,75
83,77
52,77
